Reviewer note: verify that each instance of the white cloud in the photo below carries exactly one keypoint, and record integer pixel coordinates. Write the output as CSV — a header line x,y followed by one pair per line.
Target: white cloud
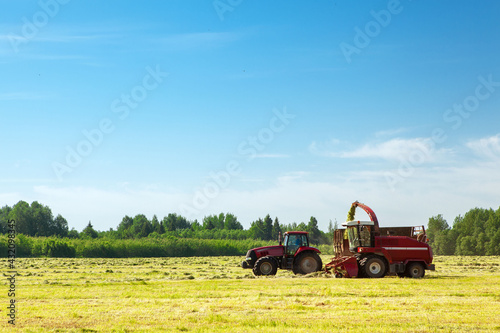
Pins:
x,y
488,147
295,175
106,208
27,180
428,192
327,149
292,197
393,150
9,198
271,156
67,38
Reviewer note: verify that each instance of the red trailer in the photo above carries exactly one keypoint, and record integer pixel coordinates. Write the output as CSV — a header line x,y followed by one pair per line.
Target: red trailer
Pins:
x,y
364,249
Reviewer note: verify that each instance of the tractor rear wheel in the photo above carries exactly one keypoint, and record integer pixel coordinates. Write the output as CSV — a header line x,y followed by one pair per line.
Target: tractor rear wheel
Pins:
x,y
374,267
265,266
415,270
307,262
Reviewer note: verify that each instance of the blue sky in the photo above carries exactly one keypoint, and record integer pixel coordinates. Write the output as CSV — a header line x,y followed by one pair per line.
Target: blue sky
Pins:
x,y
250,107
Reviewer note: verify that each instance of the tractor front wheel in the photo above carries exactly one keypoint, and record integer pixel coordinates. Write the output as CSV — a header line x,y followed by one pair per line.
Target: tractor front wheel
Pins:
x,y
308,262
374,267
265,266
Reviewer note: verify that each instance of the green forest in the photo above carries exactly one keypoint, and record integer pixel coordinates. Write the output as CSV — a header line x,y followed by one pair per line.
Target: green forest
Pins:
x,y
475,233
39,233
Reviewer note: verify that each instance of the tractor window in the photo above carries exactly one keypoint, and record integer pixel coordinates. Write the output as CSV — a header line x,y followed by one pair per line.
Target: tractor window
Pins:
x,y
352,234
293,242
304,240
365,236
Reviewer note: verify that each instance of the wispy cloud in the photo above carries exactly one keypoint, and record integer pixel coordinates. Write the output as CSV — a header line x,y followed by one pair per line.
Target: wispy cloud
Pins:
x,y
294,197
272,156
391,132
293,176
63,38
55,57
198,39
392,150
301,196
60,37
488,147
27,180
108,206
328,149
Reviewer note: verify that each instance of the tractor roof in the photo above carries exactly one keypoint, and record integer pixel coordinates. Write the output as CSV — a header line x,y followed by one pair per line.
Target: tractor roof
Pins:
x,y
351,223
297,232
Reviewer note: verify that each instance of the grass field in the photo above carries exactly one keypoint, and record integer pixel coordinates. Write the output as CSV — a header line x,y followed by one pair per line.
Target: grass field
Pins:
x,y
213,294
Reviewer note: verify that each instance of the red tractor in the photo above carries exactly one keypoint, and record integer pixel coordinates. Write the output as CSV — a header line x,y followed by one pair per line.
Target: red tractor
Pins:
x,y
295,255
365,250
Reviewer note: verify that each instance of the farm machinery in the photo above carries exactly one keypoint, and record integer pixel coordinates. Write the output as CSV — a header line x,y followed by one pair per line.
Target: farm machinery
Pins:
x,y
364,249
294,254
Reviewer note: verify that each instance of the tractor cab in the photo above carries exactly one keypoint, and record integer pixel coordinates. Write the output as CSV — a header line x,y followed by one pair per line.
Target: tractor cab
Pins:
x,y
359,234
294,240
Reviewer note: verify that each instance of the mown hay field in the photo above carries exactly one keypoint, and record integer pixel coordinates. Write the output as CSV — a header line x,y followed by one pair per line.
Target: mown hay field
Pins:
x,y
213,294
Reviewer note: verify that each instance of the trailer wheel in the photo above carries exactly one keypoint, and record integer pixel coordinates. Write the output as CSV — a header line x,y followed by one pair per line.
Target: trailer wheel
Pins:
x,y
415,270
307,262
374,267
265,266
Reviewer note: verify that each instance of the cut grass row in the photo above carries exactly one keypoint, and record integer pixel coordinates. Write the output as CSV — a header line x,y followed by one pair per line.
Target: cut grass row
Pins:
x,y
213,294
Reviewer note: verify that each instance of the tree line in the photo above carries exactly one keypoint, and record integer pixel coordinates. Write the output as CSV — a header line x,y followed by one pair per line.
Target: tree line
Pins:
x,y
37,220
475,233
33,220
